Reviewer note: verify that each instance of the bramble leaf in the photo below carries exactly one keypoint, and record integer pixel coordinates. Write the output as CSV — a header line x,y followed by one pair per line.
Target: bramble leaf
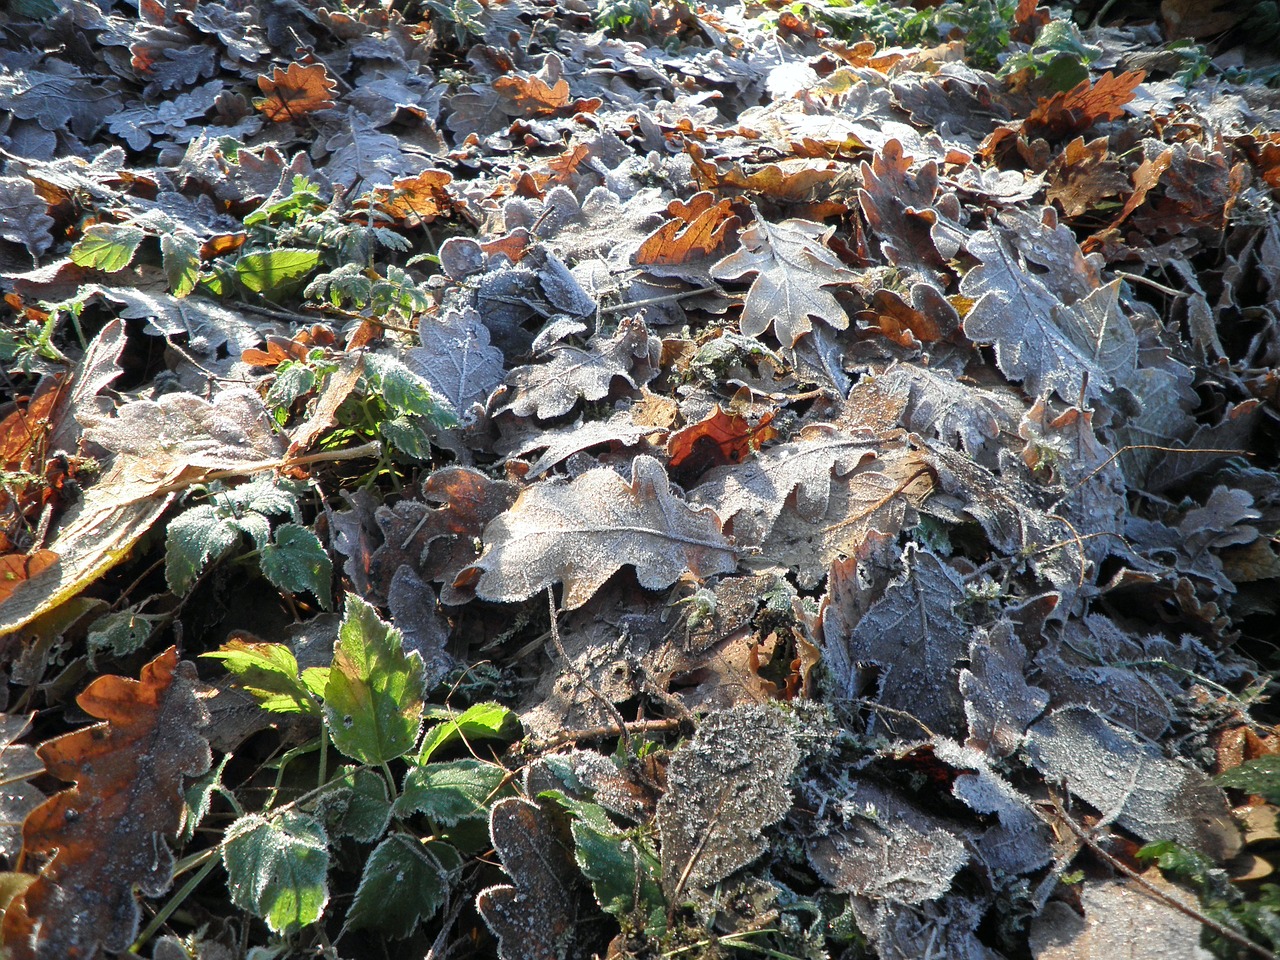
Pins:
x,y
295,560
450,792
277,868
405,882
107,246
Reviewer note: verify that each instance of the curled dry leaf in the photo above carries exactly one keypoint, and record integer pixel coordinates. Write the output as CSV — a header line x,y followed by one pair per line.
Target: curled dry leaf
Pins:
x,y
106,835
581,532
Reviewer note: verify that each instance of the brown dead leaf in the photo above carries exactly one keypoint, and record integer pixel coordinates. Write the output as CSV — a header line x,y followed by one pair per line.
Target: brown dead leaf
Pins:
x,y
863,54
295,91
414,201
106,835
719,439
1074,111
696,230
899,208
530,96
789,181
17,567
1199,18
1083,175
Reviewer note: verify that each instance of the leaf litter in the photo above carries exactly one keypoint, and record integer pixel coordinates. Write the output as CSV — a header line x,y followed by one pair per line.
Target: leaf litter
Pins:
x,y
815,488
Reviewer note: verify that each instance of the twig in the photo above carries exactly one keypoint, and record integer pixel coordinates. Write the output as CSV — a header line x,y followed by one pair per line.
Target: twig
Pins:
x,y
1167,291
371,449
652,301
894,712
1120,866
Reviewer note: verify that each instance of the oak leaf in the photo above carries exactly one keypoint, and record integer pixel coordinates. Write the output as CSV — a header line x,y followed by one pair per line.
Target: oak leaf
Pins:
x,y
719,439
899,208
1074,111
581,532
295,91
695,232
792,267
106,835
414,201
456,358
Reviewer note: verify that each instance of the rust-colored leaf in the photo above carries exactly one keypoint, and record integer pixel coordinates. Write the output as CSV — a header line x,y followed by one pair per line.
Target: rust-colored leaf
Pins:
x,y
531,96
1199,18
1083,175
720,439
790,181
414,201
17,567
1074,111
106,835
696,229
279,349
294,92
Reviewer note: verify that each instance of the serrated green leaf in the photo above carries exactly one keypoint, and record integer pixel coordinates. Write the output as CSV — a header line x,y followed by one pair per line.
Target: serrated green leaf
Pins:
x,y
196,798
120,634
402,389
254,524
449,792
481,721
107,246
363,808
406,436
316,679
373,699
264,495
293,380
278,868
1260,777
405,882
296,561
180,254
277,271
195,539
269,672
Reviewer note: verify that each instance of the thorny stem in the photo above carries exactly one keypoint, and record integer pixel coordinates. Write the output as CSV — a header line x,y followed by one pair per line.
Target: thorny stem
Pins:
x,y
1119,865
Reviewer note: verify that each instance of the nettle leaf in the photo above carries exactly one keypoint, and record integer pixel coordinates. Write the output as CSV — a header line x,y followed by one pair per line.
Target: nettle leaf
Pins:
x,y
180,254
195,539
276,271
373,698
268,671
792,266
480,721
404,882
723,788
296,561
450,792
107,246
581,532
277,868
403,390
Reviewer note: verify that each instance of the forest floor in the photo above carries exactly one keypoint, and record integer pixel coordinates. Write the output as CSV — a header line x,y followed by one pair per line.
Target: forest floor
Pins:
x,y
628,479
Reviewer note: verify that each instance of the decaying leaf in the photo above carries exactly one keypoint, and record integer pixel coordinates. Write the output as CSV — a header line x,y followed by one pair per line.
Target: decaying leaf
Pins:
x,y
292,92
456,359
581,532
18,764
533,916
793,266
107,834
723,788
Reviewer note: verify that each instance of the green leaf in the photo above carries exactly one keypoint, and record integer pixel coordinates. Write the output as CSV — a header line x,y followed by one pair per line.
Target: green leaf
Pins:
x,y
405,882
293,380
269,672
373,700
1260,777
297,561
196,798
402,389
180,254
405,435
277,271
278,869
107,246
120,634
362,806
449,792
625,875
264,495
195,539
481,721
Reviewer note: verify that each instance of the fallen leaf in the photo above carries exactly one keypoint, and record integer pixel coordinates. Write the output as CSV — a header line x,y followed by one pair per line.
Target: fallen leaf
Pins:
x,y
1074,111
295,91
107,834
581,532
719,439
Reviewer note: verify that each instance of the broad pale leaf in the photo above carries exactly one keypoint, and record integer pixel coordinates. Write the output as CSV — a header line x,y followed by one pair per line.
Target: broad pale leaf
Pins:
x,y
405,882
723,788
792,267
107,246
373,698
107,835
456,360
277,868
26,220
581,532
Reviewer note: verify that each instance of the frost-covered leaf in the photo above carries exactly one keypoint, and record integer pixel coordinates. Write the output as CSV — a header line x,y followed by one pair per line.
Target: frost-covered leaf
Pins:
x,y
908,644
373,698
290,93
456,360
748,497
26,216
998,701
277,868
792,266
180,253
295,561
723,788
107,246
404,882
452,791
890,849
550,389
355,804
18,764
534,916
1122,776
581,532
562,443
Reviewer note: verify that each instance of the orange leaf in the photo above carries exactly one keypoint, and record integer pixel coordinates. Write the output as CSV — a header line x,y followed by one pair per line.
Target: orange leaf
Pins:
x,y
526,96
720,439
416,200
1076,110
696,229
295,92
17,567
106,835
